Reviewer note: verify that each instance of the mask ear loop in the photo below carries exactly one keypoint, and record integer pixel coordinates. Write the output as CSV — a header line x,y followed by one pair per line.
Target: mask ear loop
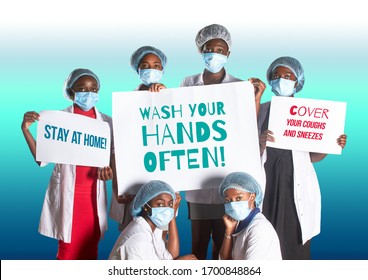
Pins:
x,y
74,94
148,211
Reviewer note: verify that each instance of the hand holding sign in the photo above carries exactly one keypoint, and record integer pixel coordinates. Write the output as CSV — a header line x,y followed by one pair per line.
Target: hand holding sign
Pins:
x,y
105,173
341,141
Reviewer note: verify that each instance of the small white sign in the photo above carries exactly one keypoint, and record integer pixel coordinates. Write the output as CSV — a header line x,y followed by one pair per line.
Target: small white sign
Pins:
x,y
306,124
68,138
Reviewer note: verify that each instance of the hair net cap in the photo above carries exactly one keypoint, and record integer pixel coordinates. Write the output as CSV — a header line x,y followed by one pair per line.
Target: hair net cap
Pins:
x,y
241,181
147,192
137,56
74,76
291,63
213,31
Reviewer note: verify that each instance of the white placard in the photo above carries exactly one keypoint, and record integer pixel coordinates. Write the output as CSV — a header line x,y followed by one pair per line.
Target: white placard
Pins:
x,y
189,137
307,124
68,138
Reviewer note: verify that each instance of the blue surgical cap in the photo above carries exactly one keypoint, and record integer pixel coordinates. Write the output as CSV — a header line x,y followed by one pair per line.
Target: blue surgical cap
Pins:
x,y
137,56
213,31
147,192
74,76
244,182
291,63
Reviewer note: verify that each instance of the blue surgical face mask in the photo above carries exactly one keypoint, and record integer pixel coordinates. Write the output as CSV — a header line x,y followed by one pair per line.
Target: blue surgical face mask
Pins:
x,y
86,99
161,216
214,62
238,210
150,76
283,87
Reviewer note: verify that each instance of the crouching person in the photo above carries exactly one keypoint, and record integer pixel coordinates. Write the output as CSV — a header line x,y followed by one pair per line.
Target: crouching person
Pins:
x,y
154,206
248,234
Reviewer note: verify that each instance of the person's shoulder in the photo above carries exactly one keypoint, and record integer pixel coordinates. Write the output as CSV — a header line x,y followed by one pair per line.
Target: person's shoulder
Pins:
x,y
190,80
105,117
261,226
231,78
137,235
68,109
261,218
138,225
136,230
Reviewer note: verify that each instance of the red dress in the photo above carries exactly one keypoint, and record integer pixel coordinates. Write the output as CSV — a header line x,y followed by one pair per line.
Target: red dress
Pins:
x,y
85,227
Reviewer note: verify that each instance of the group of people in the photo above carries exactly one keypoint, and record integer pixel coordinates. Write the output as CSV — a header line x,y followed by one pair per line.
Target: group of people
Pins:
x,y
244,219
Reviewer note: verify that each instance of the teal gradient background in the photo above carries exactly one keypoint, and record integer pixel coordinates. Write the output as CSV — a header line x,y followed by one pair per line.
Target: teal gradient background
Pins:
x,y
39,51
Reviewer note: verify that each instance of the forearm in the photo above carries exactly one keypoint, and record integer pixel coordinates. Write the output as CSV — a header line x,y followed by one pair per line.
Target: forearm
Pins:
x,y
173,242
226,248
316,157
31,142
258,106
114,179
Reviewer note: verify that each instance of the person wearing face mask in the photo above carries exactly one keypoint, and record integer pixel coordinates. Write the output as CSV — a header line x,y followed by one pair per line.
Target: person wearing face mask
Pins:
x,y
205,206
291,181
248,234
149,63
74,209
154,206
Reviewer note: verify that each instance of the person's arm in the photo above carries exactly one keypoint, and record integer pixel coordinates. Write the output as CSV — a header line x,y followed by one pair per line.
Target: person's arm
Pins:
x,y
262,242
114,178
265,136
259,88
316,157
227,243
28,119
173,241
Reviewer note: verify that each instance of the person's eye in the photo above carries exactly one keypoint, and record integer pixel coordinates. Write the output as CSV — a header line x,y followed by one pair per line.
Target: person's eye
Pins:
x,y
239,198
94,90
171,204
275,76
227,200
220,51
160,205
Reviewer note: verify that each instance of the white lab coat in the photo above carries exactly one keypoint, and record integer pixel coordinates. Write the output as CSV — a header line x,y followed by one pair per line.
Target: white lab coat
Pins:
x,y
205,196
307,195
138,242
258,241
57,211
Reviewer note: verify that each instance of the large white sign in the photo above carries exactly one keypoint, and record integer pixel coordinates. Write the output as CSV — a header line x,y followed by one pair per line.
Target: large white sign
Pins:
x,y
72,139
306,124
190,137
